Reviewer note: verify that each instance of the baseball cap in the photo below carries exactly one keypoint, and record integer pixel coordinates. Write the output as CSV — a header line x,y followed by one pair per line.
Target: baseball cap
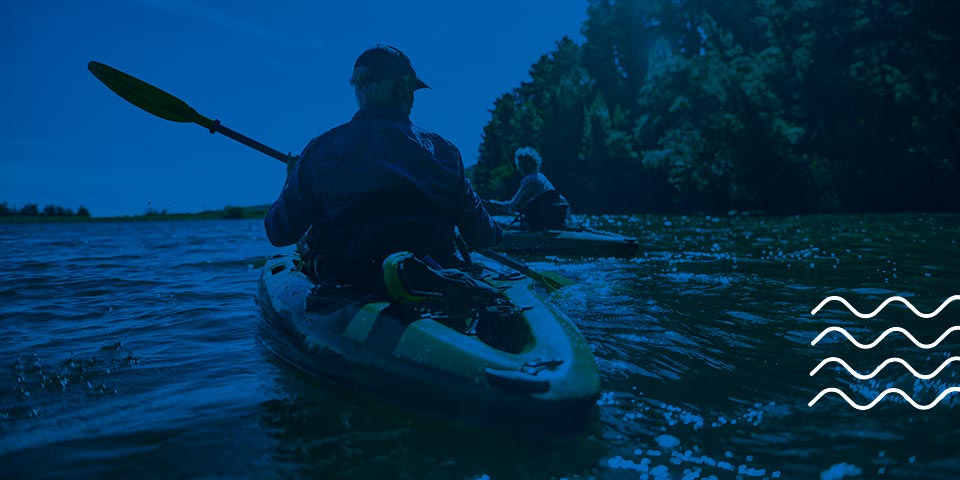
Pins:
x,y
385,62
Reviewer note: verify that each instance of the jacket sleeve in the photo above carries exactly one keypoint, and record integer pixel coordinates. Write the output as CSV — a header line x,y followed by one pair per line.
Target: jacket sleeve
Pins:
x,y
289,217
476,226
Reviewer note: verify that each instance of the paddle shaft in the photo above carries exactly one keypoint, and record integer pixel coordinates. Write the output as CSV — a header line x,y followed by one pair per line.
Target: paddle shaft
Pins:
x,y
547,282
217,127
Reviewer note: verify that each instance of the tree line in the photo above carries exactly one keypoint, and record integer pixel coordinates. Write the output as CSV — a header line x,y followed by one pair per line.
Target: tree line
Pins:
x,y
763,105
33,210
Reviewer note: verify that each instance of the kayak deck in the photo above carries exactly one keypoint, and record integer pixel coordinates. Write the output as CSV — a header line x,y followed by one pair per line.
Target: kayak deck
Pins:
x,y
518,359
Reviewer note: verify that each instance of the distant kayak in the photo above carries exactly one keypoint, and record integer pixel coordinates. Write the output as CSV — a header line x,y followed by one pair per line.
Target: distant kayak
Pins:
x,y
518,361
579,242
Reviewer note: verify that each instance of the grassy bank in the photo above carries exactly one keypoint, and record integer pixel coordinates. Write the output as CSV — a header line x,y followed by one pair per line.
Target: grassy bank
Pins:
x,y
229,213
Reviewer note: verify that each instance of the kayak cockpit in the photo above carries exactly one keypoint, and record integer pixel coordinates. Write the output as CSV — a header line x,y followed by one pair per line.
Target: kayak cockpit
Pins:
x,y
499,325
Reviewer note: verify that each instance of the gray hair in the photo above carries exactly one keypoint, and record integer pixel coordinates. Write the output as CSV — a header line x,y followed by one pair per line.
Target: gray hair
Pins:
x,y
392,92
528,152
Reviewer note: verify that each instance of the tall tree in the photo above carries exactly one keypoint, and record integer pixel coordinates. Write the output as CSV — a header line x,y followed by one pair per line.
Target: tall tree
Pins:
x,y
806,105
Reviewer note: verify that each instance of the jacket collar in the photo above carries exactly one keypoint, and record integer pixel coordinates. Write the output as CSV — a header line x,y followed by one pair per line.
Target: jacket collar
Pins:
x,y
381,112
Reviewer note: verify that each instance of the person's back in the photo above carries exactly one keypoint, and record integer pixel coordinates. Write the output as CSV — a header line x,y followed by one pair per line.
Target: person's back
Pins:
x,y
540,204
378,184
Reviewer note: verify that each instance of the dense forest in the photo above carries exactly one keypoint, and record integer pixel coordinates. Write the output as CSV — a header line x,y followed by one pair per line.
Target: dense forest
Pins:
x,y
748,105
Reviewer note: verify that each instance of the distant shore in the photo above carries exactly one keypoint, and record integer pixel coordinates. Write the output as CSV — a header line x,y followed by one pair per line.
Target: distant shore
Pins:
x,y
227,213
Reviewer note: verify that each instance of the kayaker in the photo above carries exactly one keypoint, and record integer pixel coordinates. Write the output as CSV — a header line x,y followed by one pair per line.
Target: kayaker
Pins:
x,y
377,185
539,204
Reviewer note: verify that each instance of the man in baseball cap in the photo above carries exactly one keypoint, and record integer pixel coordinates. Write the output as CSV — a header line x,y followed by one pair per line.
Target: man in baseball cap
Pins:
x,y
378,185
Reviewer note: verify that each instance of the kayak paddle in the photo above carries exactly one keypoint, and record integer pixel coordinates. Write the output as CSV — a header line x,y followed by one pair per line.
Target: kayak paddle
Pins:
x,y
551,281
166,106
160,103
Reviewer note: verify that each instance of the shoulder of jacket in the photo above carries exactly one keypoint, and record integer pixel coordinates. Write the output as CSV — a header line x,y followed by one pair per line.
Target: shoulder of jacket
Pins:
x,y
435,137
445,145
335,131
325,137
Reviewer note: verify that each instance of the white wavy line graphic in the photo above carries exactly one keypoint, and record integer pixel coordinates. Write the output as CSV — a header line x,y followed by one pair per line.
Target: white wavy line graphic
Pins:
x,y
884,364
925,346
883,305
884,394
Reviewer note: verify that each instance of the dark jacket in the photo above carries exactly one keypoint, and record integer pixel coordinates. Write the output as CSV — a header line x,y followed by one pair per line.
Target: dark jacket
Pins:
x,y
377,185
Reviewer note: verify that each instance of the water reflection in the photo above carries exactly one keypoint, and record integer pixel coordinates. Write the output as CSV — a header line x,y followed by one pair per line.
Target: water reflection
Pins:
x,y
326,430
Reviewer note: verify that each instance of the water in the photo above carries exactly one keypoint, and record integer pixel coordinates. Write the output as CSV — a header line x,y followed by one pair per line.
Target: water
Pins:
x,y
132,349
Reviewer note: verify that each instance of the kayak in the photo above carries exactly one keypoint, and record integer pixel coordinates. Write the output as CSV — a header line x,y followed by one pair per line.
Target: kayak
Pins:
x,y
572,242
517,361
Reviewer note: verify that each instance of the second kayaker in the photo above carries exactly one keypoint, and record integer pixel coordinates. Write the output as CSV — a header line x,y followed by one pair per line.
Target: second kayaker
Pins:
x,y
378,185
538,203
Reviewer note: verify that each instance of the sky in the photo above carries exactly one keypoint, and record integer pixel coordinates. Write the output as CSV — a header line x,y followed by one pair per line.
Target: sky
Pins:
x,y
275,71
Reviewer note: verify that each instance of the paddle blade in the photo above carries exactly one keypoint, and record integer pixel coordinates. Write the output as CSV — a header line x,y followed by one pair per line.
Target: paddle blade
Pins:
x,y
146,96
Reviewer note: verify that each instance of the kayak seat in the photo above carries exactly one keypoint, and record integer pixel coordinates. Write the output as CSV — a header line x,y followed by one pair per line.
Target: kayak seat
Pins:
x,y
548,211
410,280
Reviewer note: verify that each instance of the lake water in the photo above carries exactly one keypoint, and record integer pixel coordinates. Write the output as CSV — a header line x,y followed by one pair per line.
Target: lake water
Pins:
x,y
132,350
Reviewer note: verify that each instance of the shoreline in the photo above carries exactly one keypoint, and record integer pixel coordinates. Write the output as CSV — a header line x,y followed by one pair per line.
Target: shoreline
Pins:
x,y
229,213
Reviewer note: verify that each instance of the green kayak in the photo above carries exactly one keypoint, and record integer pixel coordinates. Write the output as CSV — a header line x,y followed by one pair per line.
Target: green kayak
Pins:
x,y
517,361
571,242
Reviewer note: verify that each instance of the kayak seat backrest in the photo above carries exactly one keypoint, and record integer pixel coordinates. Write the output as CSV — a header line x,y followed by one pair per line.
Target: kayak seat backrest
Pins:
x,y
452,286
548,211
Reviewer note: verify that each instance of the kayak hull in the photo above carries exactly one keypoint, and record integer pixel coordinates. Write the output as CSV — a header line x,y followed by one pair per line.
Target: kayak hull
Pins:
x,y
520,362
573,242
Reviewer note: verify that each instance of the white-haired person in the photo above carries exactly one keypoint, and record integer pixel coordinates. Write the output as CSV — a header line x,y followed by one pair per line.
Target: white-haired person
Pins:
x,y
539,204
